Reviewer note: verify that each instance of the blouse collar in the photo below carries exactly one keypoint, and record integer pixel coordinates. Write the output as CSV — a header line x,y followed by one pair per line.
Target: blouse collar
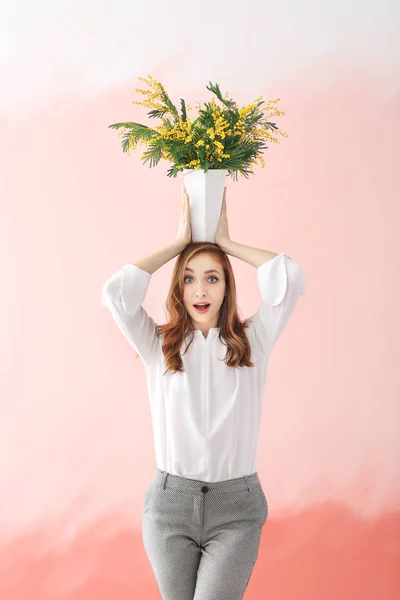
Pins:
x,y
212,332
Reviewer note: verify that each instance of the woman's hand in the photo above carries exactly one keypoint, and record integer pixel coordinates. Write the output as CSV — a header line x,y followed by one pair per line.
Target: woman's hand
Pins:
x,y
184,235
222,233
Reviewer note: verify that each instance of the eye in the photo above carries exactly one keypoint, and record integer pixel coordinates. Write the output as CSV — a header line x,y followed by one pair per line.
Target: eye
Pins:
x,y
190,277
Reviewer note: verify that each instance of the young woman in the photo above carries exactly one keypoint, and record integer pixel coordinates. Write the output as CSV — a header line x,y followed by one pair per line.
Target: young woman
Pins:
x,y
205,507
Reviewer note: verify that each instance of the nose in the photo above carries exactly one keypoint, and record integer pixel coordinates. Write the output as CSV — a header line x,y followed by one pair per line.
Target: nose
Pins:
x,y
200,294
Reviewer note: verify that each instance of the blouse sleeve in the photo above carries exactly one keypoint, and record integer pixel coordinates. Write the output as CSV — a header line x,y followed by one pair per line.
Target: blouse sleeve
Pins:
x,y
123,293
281,280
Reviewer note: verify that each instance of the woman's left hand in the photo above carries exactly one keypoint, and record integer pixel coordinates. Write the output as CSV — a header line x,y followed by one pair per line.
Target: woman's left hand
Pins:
x,y
222,233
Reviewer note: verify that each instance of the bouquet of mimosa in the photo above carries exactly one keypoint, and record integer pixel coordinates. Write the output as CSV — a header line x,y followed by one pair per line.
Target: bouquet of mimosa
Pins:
x,y
222,140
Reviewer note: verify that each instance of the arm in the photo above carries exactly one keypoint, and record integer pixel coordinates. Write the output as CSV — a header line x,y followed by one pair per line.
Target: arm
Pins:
x,y
123,294
280,281
155,260
253,256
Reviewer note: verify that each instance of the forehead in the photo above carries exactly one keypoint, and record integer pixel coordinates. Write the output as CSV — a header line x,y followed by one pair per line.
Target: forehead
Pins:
x,y
203,264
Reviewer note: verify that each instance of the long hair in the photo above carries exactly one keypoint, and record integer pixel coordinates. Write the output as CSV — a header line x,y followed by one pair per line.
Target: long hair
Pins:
x,y
232,329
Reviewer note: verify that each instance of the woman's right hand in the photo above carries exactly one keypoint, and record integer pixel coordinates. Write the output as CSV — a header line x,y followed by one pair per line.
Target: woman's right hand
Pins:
x,y
184,235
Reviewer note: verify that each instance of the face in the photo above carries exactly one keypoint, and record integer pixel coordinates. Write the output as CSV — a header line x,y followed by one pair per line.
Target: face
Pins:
x,y
204,281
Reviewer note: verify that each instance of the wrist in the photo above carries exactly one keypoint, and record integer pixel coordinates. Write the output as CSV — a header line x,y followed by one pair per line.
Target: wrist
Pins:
x,y
226,245
179,245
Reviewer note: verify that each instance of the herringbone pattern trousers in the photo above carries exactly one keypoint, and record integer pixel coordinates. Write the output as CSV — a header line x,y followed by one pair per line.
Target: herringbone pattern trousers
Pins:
x,y
202,539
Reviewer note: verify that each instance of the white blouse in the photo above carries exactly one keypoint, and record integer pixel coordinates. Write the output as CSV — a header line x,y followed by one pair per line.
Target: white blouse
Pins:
x,y
206,419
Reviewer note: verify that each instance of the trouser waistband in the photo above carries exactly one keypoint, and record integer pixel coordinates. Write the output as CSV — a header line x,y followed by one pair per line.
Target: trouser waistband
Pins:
x,y
168,480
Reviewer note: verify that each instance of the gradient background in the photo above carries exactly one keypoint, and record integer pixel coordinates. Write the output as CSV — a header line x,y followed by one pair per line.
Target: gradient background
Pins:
x,y
76,446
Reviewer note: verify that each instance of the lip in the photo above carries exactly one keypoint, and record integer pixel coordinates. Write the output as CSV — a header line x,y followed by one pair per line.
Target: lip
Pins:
x,y
202,311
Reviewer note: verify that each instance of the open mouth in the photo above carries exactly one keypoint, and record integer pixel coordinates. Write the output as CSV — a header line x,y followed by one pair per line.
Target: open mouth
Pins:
x,y
202,308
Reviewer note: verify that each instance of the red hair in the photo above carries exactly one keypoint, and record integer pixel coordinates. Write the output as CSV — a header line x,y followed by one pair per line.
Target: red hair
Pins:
x,y
232,329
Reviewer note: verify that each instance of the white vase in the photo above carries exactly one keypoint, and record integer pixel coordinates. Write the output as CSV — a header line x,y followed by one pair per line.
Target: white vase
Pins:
x,y
205,191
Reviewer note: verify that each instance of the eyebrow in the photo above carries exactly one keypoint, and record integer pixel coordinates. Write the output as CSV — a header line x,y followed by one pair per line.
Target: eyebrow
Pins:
x,y
208,271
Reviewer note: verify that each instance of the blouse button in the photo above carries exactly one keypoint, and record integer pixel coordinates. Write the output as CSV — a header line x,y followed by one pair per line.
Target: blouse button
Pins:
x,y
204,488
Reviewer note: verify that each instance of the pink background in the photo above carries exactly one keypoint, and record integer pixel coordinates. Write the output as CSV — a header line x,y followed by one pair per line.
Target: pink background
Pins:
x,y
76,446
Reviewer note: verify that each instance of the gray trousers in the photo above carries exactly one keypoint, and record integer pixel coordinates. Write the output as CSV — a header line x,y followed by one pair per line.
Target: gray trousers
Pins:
x,y
202,539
